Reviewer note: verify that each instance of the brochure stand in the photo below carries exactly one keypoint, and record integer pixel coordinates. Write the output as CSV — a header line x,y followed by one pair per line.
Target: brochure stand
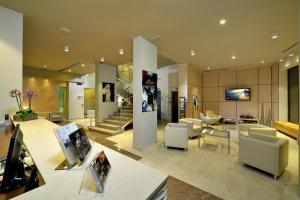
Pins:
x,y
88,185
64,165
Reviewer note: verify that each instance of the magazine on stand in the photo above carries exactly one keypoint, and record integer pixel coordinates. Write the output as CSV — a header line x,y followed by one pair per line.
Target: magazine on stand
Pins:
x,y
81,143
62,134
100,169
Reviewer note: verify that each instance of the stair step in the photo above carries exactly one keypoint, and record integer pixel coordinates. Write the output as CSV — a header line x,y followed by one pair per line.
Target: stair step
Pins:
x,y
120,118
112,121
109,126
124,114
104,130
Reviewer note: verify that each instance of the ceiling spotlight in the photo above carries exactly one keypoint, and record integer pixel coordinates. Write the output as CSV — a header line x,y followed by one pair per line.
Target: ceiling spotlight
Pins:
x,y
193,52
275,35
222,21
281,60
208,68
297,60
121,51
233,57
262,62
69,70
65,30
66,48
82,65
45,66
287,65
87,75
291,55
102,60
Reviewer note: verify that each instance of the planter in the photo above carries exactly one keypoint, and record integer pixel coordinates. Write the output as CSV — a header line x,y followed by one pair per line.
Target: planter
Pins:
x,y
25,115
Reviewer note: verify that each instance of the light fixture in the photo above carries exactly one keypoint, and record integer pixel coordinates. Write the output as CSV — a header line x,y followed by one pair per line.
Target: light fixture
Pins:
x,y
87,75
233,57
275,35
121,51
82,65
69,70
222,21
65,30
281,60
66,48
193,52
45,66
262,62
102,59
287,65
297,60
208,68
291,55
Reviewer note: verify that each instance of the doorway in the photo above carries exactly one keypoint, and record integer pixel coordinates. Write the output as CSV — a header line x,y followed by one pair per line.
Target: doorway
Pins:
x,y
63,100
293,94
174,107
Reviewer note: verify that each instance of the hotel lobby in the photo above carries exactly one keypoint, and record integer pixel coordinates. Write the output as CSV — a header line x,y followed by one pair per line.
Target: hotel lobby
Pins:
x,y
149,100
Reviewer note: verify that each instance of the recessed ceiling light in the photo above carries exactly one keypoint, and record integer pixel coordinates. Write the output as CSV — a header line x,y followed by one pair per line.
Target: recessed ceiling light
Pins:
x,y
287,65
222,21
45,66
193,52
82,65
233,57
262,62
208,68
66,48
291,55
275,35
69,70
281,60
102,59
297,60
121,51
87,75
65,30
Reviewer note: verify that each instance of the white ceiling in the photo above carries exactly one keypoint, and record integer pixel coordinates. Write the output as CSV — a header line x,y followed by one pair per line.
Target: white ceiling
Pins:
x,y
101,27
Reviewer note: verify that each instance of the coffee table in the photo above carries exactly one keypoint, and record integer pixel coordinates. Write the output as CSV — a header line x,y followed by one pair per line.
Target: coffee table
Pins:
x,y
222,133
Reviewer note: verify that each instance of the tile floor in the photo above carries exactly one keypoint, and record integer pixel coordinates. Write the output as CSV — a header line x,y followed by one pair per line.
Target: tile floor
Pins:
x,y
213,170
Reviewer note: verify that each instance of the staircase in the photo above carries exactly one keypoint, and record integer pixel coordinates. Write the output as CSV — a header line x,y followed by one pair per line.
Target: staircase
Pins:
x,y
116,123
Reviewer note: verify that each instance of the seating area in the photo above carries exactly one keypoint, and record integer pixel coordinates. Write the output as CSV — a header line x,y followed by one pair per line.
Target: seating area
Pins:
x,y
52,116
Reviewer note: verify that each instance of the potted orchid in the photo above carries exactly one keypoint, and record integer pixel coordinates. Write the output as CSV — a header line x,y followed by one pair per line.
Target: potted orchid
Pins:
x,y
23,114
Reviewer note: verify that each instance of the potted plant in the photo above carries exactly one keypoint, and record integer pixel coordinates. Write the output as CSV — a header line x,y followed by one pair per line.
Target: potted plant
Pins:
x,y
23,114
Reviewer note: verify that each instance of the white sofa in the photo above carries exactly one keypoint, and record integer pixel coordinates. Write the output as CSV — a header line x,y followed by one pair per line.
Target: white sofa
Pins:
x,y
176,135
264,152
194,126
245,129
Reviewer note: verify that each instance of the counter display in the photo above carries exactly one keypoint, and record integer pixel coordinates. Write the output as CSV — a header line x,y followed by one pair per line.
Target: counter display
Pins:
x,y
128,180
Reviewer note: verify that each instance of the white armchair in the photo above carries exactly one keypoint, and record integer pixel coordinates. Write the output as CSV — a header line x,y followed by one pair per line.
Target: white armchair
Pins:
x,y
267,153
245,129
207,120
212,115
194,126
176,135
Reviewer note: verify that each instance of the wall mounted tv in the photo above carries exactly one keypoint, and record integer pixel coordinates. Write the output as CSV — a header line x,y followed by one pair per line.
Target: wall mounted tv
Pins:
x,y
240,94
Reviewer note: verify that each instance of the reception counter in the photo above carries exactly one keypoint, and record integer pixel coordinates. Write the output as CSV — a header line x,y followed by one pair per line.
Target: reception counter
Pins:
x,y
129,179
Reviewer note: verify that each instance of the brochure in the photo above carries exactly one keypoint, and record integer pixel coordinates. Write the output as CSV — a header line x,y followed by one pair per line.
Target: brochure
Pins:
x,y
81,143
100,169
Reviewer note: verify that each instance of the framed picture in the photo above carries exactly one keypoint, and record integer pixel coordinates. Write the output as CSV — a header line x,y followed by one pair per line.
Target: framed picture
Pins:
x,y
149,95
108,92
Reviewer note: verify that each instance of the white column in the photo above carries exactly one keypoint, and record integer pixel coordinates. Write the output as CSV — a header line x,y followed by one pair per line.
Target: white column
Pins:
x,y
104,73
144,123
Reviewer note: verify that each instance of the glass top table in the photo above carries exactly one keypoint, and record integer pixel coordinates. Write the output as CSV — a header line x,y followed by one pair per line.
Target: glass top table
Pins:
x,y
222,133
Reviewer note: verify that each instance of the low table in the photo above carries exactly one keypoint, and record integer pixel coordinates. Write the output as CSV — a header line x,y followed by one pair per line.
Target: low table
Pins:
x,y
216,133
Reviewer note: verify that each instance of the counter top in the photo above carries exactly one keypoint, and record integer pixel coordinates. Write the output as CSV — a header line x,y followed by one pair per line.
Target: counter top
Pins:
x,y
129,179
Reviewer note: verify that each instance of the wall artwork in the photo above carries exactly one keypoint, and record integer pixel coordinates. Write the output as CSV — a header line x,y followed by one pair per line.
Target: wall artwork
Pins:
x,y
108,92
149,96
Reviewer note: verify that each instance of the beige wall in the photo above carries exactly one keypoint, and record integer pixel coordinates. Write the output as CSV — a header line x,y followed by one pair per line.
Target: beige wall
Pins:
x,y
189,86
47,93
89,99
264,91
11,51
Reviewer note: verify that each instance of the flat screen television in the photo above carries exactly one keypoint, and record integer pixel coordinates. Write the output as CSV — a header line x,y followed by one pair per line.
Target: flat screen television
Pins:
x,y
240,94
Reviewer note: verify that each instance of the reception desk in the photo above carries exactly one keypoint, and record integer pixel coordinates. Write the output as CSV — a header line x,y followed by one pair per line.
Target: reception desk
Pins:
x,y
129,179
